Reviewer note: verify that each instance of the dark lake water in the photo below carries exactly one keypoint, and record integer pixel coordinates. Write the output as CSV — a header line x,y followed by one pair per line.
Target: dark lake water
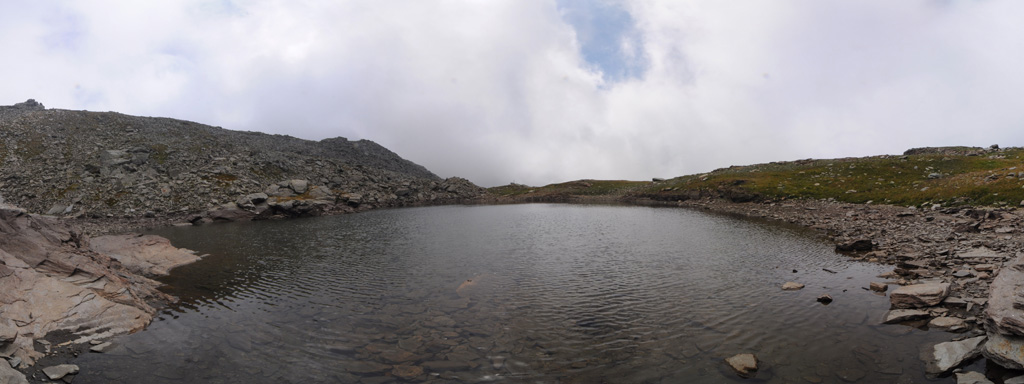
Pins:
x,y
515,293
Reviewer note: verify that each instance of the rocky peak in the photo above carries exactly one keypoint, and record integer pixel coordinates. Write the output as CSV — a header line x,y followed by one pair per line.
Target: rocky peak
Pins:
x,y
30,104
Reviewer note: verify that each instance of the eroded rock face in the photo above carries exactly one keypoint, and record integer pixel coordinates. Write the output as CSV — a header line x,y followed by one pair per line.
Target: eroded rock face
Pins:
x,y
53,281
1007,351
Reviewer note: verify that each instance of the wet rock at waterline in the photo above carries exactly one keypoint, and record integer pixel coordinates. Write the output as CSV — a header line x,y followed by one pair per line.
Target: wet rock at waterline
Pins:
x,y
896,316
943,357
745,364
878,287
1007,351
58,372
919,295
947,323
146,255
825,299
792,286
53,281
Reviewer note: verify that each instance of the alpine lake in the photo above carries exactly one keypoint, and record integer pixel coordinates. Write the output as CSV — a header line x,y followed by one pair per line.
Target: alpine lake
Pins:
x,y
536,293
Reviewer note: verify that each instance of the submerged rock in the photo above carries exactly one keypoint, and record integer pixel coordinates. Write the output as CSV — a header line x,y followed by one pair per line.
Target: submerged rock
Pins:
x,y
900,315
745,364
792,286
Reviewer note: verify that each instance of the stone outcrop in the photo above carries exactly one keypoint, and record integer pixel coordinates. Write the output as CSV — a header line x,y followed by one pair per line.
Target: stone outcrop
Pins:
x,y
52,280
146,255
109,165
1005,316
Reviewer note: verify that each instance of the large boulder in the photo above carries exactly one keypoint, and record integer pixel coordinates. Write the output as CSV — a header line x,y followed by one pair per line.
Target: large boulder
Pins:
x,y
9,375
919,295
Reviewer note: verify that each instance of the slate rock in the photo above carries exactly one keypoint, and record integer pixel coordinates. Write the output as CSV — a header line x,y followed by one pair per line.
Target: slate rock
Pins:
x,y
919,295
943,357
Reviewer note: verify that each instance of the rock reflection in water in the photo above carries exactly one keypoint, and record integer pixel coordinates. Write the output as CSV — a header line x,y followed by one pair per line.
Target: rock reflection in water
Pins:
x,y
526,293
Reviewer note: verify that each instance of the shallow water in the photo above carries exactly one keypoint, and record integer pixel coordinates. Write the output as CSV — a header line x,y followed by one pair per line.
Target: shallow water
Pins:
x,y
517,293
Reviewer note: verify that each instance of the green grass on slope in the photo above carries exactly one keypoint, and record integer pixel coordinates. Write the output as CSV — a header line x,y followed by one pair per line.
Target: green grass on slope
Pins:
x,y
992,178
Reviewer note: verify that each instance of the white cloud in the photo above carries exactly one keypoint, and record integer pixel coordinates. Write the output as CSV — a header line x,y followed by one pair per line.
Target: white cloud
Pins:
x,y
498,91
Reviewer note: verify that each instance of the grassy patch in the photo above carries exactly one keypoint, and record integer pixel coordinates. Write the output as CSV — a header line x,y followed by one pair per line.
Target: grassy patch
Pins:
x,y
946,178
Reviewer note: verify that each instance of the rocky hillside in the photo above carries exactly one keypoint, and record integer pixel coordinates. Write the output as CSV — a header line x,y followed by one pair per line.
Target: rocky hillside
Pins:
x,y
94,165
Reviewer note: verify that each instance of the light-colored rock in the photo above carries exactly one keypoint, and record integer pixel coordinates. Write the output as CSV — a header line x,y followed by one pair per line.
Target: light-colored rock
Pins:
x,y
147,255
1004,304
1014,380
981,253
879,287
792,286
745,364
100,348
9,375
900,315
943,357
919,295
972,378
946,323
57,372
299,186
1007,351
52,281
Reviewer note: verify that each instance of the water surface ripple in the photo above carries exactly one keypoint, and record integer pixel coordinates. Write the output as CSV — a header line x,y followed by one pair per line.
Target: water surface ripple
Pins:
x,y
523,293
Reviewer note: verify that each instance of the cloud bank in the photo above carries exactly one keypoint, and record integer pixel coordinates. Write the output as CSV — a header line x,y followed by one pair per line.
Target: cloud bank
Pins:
x,y
542,91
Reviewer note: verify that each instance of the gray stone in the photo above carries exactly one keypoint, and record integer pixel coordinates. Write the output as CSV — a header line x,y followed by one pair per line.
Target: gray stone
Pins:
x,y
100,348
792,286
9,375
879,287
745,364
972,378
57,372
919,295
1004,311
900,315
1014,380
1007,351
30,104
299,186
946,323
943,357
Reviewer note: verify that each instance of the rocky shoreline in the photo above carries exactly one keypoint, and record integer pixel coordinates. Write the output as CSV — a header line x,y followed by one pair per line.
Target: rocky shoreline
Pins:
x,y
958,269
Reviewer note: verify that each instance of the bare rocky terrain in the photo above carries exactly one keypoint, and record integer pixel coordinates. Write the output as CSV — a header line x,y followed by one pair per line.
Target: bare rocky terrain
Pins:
x,y
106,165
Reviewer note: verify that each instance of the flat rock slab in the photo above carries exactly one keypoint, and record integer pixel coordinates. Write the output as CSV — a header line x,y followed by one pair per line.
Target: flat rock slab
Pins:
x,y
792,286
745,364
1007,351
900,315
9,375
919,295
981,253
943,357
58,372
946,323
147,255
1004,304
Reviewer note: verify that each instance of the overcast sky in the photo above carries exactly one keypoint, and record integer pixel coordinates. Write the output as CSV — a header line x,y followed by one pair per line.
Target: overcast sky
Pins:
x,y
542,91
